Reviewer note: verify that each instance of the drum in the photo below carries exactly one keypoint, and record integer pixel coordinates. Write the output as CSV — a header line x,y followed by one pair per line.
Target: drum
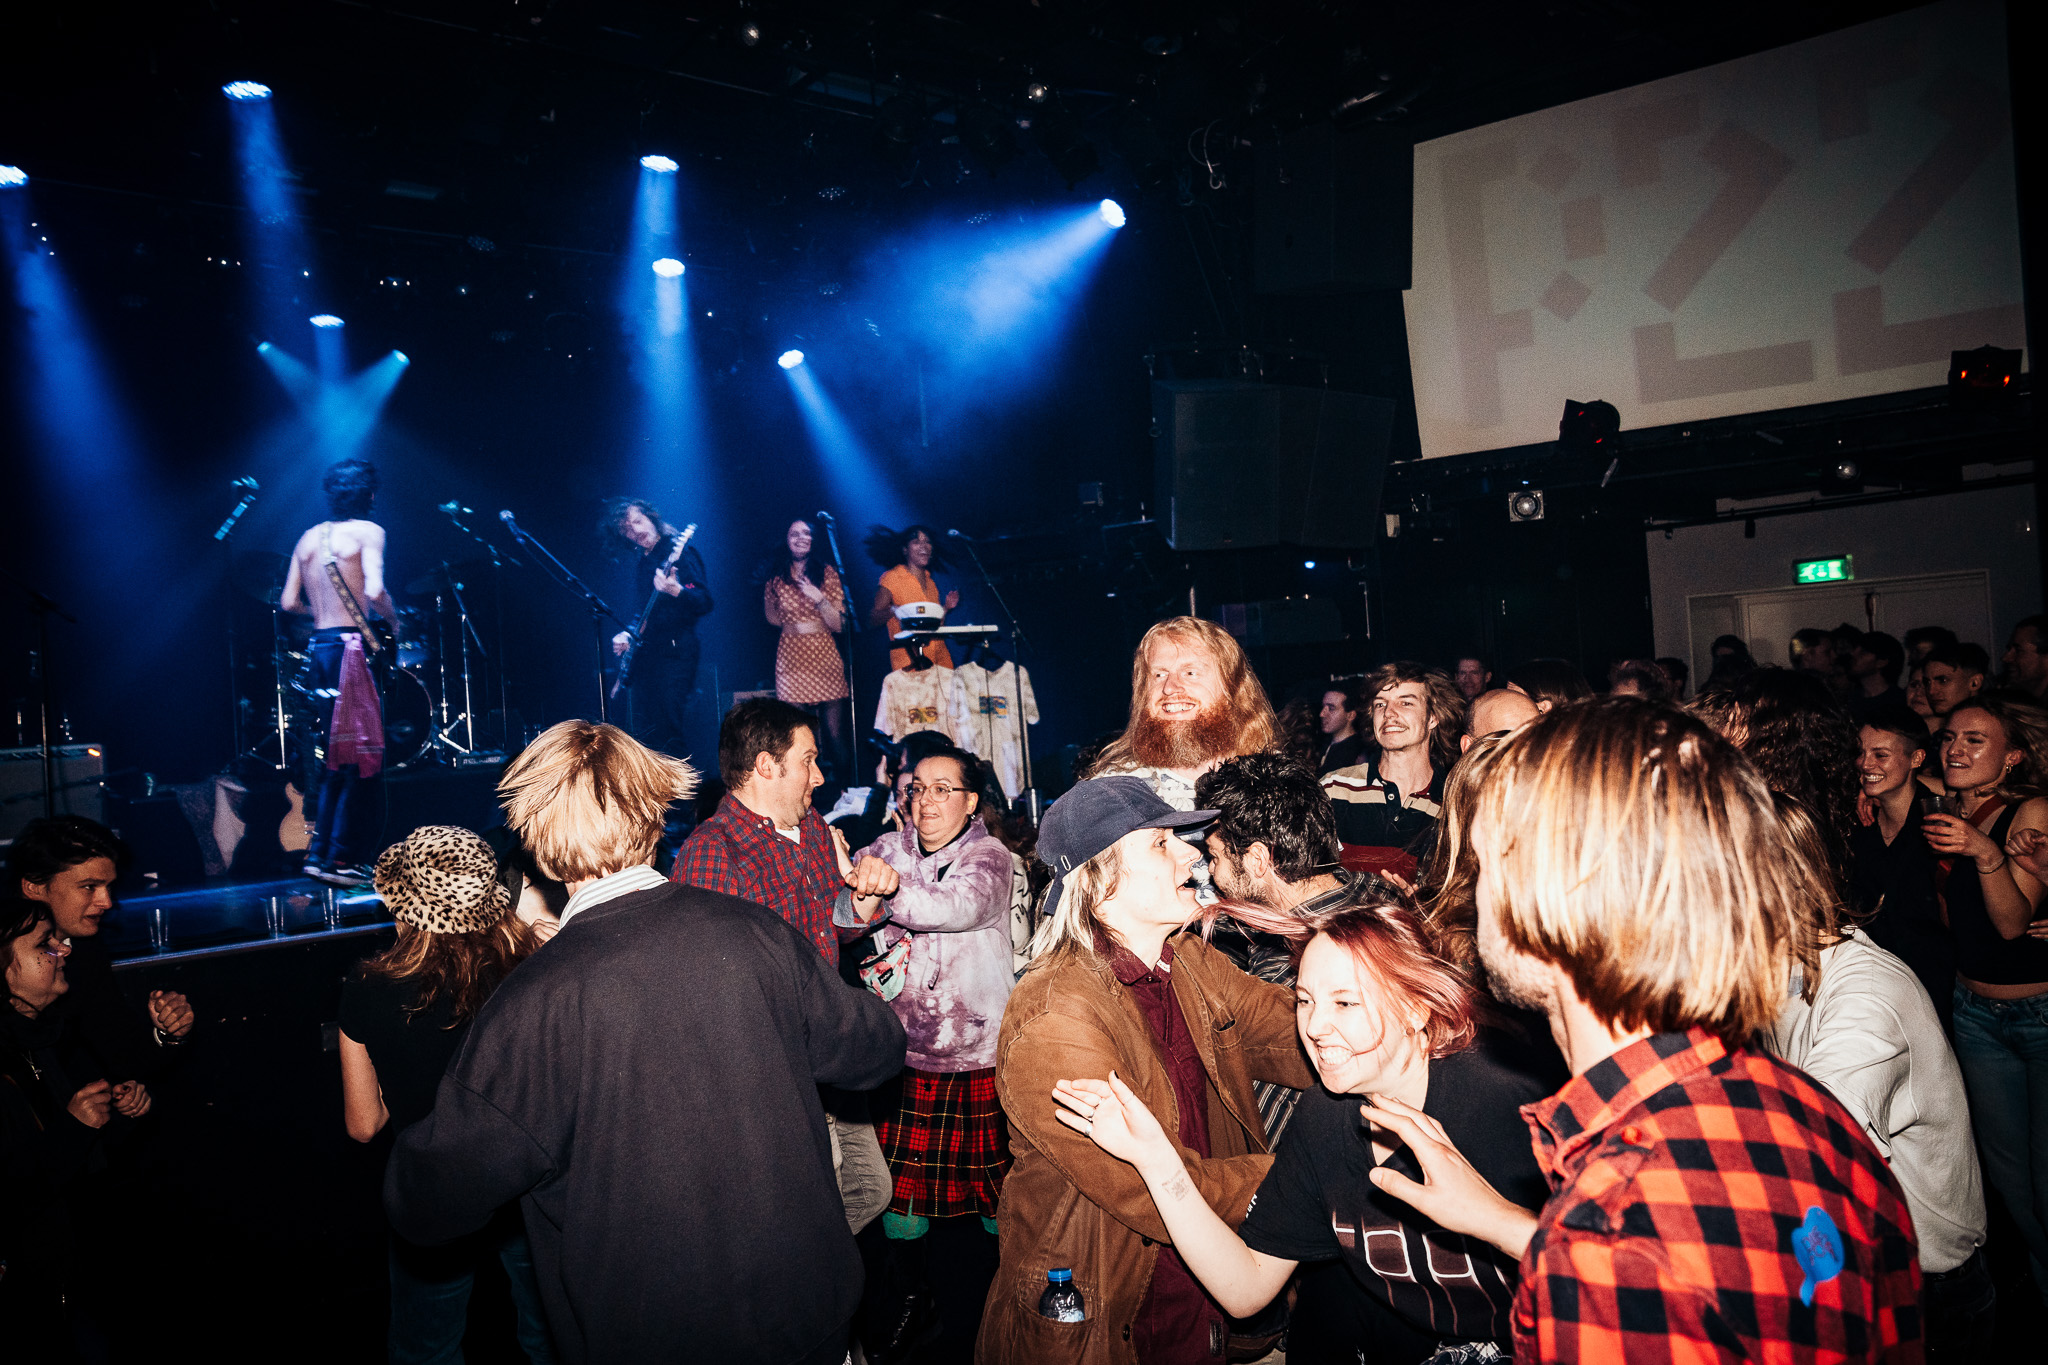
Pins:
x,y
415,636
408,719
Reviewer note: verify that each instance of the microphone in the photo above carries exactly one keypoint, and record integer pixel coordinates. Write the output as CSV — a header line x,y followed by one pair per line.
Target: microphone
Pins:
x,y
452,507
244,482
958,535
824,516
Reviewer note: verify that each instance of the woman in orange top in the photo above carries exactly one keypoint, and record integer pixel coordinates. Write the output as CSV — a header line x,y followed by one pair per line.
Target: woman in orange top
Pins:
x,y
914,554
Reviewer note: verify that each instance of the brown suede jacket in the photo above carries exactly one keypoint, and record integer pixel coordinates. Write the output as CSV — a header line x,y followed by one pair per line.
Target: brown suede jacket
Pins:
x,y
1069,1203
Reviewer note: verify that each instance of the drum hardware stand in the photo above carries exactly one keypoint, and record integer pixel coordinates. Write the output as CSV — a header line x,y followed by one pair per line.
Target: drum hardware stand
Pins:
x,y
465,753
499,560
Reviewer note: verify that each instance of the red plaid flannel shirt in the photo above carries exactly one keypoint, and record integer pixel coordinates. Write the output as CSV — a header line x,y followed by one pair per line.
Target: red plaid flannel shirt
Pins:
x,y
739,853
1681,1172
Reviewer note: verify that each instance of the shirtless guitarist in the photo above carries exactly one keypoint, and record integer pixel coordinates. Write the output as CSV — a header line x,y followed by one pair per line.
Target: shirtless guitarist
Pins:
x,y
337,577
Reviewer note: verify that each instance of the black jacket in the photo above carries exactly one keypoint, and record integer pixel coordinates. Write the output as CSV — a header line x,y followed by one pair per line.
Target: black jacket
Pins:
x,y
647,1081
673,618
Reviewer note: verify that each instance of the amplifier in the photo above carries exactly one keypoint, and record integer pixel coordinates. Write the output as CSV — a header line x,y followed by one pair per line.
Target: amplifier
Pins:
x,y
78,768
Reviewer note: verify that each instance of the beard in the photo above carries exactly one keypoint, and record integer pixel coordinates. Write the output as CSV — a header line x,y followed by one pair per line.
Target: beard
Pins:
x,y
1160,743
1517,978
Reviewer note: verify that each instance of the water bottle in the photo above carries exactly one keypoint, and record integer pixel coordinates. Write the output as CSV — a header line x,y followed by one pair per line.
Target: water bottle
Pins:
x,y
1061,1301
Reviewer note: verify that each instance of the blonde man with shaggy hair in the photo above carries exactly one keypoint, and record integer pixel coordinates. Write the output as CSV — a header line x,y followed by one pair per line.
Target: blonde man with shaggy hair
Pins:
x,y
588,801
1194,702
1637,886
646,1087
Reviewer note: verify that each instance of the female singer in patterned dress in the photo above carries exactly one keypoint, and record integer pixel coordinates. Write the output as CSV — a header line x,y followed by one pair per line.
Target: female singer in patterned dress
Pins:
x,y
808,669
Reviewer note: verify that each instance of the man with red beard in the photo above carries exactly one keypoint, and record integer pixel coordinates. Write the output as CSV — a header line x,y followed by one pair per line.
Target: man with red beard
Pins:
x,y
1387,809
1194,703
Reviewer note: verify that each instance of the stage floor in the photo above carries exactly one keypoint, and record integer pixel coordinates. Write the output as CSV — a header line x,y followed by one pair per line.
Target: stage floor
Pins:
x,y
216,919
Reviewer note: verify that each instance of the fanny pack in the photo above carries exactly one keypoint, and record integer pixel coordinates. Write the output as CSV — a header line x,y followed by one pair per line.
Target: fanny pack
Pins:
x,y
884,972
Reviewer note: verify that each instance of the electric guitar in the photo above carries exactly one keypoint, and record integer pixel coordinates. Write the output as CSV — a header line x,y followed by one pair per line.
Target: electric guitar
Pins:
x,y
638,629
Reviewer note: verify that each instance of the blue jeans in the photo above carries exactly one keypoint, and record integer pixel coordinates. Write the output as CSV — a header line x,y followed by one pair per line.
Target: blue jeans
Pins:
x,y
430,1295
2003,1048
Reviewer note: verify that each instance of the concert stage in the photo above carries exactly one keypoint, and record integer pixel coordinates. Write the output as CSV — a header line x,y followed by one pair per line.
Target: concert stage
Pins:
x,y
218,921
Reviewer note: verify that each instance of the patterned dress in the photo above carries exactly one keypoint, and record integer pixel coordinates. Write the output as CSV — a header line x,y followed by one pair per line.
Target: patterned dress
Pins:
x,y
906,585
807,664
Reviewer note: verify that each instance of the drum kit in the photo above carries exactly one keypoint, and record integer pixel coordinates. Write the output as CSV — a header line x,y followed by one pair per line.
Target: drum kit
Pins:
x,y
429,689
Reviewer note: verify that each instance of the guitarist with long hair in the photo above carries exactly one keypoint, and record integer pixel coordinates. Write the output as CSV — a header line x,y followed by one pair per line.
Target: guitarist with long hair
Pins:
x,y
660,658
337,578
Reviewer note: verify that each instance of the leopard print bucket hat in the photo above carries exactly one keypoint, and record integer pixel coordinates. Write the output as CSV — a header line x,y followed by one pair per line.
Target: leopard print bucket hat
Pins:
x,y
443,880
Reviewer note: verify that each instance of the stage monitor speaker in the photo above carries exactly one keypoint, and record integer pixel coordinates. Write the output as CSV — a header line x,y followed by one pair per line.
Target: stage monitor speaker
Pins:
x,y
79,769
1334,212
1238,464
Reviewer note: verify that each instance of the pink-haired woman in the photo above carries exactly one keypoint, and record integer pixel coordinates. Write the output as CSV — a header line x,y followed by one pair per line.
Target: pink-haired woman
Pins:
x,y
1384,1019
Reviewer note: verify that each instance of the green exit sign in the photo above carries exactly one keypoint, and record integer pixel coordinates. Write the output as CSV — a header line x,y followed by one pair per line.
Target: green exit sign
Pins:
x,y
1824,570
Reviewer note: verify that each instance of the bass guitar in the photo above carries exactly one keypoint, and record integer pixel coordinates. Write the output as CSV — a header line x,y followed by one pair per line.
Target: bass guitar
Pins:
x,y
638,629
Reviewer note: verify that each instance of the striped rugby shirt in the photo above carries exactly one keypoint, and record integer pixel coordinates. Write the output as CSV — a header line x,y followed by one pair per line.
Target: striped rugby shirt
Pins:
x,y
1376,824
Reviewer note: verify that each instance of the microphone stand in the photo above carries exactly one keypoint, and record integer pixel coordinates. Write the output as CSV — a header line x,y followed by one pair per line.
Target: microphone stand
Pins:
x,y
1029,795
566,577
220,536
498,563
831,525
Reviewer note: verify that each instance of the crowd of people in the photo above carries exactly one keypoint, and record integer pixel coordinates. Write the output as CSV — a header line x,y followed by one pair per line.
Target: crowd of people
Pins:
x,y
1433,1017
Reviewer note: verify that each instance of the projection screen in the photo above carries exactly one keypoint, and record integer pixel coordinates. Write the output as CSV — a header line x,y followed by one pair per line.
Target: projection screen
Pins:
x,y
1822,221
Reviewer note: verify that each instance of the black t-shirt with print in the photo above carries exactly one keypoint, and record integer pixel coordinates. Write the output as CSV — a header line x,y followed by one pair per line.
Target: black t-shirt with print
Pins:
x,y
1413,1284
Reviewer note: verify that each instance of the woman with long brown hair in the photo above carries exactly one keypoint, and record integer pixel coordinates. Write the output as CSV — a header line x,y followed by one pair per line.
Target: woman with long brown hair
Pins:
x,y
404,1014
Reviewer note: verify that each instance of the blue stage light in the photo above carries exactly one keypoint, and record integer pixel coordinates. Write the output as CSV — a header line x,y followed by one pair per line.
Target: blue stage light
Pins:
x,y
789,360
668,267
402,358
245,90
665,165
1308,563
12,177
1112,212
324,320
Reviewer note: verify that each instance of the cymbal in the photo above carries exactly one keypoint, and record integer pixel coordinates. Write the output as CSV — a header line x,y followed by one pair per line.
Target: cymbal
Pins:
x,y
466,575
260,574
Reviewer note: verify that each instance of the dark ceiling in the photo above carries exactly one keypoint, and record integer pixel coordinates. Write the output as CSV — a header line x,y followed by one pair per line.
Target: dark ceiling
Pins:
x,y
503,121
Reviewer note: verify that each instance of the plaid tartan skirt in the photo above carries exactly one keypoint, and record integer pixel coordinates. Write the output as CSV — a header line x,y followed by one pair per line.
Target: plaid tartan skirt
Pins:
x,y
946,1145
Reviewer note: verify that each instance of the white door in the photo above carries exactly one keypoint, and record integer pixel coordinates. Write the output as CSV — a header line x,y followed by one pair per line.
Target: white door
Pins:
x,y
1766,620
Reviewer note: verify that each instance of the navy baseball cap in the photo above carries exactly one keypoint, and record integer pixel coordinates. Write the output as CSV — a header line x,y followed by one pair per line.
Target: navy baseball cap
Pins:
x,y
1095,814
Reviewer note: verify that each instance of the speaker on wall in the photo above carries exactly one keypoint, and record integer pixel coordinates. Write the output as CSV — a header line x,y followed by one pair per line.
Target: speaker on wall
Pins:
x,y
1238,464
1333,211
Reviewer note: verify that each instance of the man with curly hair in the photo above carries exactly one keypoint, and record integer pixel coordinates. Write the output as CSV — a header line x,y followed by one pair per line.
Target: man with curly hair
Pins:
x,y
1387,807
664,670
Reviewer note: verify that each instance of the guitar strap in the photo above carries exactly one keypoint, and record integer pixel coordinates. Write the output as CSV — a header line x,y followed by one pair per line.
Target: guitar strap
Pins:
x,y
347,594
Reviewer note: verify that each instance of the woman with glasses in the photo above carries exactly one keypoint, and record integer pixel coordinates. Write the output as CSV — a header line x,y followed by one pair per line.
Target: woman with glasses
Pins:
x,y
942,960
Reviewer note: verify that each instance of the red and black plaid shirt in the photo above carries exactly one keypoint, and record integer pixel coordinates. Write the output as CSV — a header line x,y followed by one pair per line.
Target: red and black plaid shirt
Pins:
x,y
739,853
1682,1172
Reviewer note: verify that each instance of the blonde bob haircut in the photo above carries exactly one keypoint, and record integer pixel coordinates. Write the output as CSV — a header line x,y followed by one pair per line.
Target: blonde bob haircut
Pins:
x,y
1074,924
1626,843
588,800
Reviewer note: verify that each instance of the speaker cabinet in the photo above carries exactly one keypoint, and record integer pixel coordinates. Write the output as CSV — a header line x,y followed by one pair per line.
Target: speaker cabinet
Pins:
x,y
1238,464
78,769
1333,212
